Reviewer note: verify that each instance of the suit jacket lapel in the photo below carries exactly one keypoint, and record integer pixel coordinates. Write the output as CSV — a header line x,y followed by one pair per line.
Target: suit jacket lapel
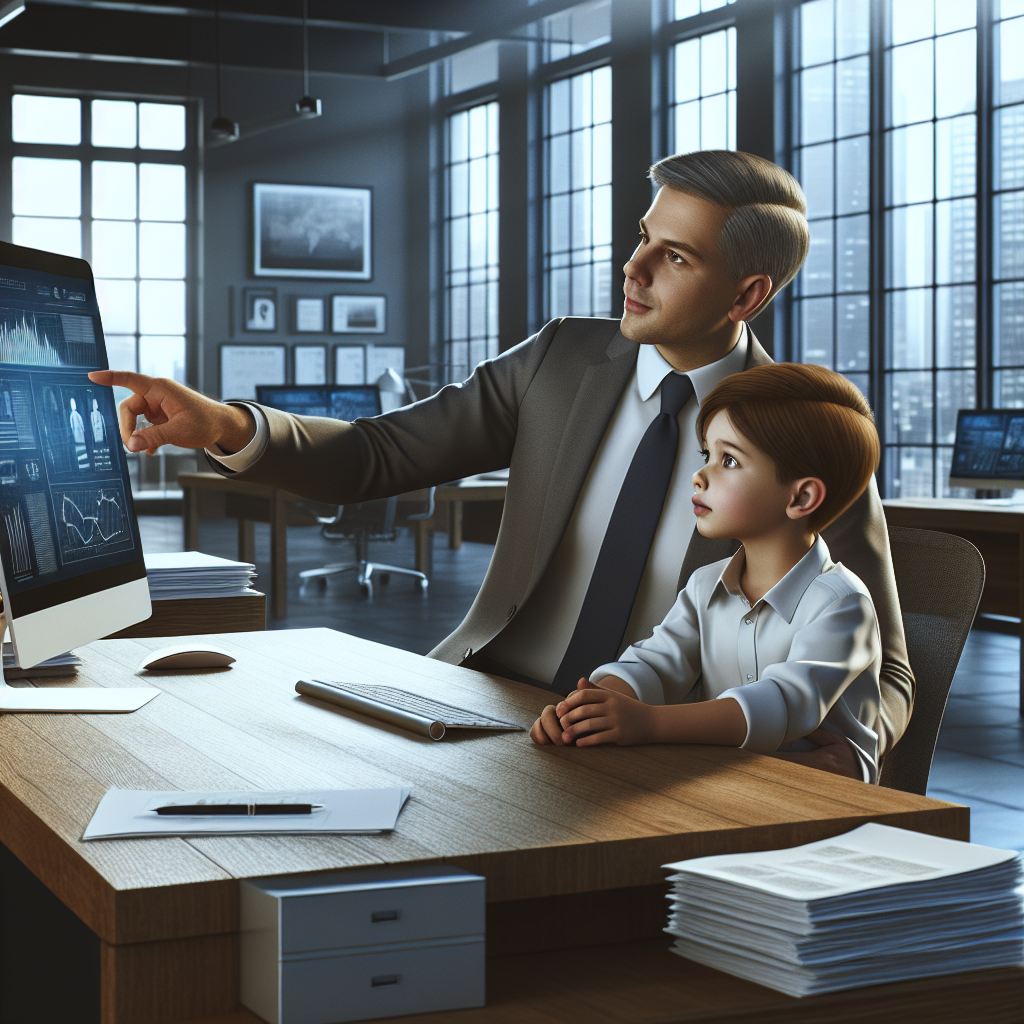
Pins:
x,y
592,409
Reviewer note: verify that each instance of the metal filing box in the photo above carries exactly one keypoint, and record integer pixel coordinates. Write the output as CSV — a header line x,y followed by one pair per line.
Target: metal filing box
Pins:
x,y
354,945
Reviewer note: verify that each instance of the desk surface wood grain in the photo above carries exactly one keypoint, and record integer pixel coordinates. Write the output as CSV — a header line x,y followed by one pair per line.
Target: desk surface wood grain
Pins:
x,y
538,822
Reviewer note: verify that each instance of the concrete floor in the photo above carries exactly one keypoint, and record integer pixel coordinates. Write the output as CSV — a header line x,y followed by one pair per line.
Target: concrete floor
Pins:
x,y
980,755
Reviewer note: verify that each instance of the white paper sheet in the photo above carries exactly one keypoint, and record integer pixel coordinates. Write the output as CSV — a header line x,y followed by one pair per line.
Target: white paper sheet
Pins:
x,y
129,814
869,857
310,364
309,315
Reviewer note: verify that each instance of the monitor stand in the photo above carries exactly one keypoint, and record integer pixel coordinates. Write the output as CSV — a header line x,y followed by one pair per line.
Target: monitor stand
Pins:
x,y
70,699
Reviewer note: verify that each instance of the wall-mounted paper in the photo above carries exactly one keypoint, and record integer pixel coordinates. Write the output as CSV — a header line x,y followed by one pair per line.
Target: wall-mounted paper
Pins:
x,y
309,316
379,358
350,364
242,367
310,364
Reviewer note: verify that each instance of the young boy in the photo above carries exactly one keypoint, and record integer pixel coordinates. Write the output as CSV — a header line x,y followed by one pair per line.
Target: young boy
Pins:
x,y
763,648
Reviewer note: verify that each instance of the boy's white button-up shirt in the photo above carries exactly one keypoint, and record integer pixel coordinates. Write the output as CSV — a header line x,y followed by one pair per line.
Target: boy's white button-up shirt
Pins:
x,y
805,655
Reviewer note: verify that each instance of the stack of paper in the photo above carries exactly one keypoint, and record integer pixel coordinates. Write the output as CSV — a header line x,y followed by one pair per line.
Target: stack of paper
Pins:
x,y
878,904
188,574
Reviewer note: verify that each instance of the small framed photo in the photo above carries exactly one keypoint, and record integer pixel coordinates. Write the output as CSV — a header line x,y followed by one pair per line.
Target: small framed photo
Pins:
x,y
259,309
350,364
358,314
311,231
309,315
310,364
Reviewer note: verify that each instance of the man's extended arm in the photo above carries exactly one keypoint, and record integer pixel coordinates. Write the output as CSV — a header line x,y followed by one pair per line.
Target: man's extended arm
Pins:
x,y
464,429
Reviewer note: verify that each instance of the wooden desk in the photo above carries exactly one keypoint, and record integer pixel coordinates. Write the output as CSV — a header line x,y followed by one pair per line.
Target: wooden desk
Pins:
x,y
996,530
451,498
571,841
194,616
211,495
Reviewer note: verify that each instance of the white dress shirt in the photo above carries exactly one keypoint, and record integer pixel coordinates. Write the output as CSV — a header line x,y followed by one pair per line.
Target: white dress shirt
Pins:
x,y
805,655
248,455
534,642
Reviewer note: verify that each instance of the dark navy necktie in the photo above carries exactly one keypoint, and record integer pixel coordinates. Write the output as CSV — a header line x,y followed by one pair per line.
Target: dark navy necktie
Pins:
x,y
602,622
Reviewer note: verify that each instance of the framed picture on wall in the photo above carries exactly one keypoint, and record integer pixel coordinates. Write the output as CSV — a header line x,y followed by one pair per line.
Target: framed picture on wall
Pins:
x,y
260,309
358,314
243,367
311,231
309,315
350,364
310,364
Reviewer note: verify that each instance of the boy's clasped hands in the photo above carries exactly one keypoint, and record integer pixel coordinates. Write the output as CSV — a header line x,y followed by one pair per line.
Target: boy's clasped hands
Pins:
x,y
596,714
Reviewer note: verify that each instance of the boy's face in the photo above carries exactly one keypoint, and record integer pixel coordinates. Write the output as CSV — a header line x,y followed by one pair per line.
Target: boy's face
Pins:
x,y
738,494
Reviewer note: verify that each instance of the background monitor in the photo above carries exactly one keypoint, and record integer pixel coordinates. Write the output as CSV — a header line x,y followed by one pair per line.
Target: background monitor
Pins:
x,y
338,401
71,566
989,449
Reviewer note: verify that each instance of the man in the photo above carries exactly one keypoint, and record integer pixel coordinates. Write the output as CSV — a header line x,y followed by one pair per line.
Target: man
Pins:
x,y
595,421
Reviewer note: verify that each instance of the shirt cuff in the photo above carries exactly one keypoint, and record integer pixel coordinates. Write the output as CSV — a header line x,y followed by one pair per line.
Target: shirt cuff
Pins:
x,y
642,679
253,451
766,713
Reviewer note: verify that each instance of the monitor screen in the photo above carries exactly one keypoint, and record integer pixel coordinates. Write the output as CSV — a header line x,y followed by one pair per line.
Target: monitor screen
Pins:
x,y
989,449
338,401
67,524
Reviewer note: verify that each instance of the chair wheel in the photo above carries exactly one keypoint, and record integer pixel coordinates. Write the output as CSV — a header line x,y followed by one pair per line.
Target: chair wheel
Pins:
x,y
385,578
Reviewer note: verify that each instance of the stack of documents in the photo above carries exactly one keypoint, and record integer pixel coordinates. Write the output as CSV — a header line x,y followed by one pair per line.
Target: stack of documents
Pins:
x,y
188,574
133,813
878,904
61,665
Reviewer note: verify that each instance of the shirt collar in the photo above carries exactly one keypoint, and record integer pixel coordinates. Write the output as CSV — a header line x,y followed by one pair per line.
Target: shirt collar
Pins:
x,y
786,595
652,368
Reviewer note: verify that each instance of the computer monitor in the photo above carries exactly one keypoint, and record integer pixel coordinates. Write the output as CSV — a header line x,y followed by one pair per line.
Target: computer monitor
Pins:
x,y
989,449
71,566
338,401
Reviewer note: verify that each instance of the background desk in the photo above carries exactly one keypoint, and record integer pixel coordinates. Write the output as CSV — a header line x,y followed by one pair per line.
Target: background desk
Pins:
x,y
997,531
211,495
571,841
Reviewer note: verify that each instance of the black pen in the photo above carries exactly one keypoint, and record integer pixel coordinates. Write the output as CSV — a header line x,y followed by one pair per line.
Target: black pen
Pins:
x,y
237,810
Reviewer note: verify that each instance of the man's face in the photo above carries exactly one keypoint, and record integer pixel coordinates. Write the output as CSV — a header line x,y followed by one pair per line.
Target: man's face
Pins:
x,y
678,288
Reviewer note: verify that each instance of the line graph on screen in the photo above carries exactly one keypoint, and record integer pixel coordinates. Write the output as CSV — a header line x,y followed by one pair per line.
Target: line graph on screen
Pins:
x,y
93,522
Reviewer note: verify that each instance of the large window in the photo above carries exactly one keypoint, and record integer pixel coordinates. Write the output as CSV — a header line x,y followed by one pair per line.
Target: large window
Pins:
x,y
931,230
831,158
471,240
106,180
578,195
1008,203
703,89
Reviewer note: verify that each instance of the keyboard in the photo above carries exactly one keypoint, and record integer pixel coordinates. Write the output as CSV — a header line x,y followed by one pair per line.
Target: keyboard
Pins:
x,y
407,710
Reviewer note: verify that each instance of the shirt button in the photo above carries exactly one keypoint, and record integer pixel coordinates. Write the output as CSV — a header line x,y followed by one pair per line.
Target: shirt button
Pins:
x,y
749,677
511,611
748,621
468,654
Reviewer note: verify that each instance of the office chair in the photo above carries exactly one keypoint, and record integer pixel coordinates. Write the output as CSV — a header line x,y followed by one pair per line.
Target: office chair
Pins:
x,y
939,578
369,520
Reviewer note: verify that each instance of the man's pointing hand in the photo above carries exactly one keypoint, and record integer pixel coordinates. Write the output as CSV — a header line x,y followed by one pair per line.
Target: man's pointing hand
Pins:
x,y
178,415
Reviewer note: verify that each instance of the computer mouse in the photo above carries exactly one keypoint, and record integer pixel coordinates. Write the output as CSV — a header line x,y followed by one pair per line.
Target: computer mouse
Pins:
x,y
187,656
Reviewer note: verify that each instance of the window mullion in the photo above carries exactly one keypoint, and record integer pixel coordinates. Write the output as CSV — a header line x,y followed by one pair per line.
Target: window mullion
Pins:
x,y
983,245
879,249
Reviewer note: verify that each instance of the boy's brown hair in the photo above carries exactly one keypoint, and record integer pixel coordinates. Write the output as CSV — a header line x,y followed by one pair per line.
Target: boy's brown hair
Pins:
x,y
809,421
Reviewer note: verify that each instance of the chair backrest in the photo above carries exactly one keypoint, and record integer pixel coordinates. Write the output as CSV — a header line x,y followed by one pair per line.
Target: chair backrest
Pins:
x,y
939,578
374,519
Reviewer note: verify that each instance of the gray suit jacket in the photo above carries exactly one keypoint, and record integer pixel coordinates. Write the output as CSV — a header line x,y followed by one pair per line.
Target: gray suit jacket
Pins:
x,y
541,409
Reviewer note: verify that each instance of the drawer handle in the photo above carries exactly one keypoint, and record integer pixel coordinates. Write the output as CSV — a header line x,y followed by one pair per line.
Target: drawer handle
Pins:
x,y
385,979
384,915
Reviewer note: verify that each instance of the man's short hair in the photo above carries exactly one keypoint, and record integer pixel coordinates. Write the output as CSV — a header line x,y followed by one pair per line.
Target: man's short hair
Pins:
x,y
809,421
766,231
